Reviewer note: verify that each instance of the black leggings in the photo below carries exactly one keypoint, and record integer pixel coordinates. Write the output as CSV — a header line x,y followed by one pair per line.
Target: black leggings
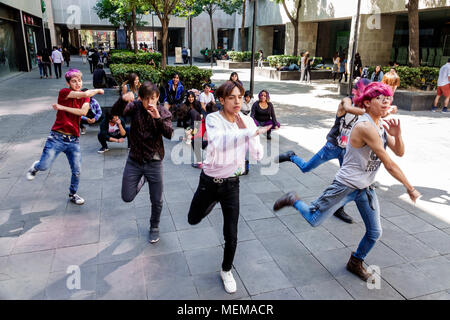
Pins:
x,y
206,197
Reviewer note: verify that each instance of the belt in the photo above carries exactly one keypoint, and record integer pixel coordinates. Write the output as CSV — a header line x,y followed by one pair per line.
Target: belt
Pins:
x,y
219,180
65,135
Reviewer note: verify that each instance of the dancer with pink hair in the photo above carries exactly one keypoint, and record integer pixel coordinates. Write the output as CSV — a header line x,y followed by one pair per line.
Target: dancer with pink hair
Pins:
x,y
365,151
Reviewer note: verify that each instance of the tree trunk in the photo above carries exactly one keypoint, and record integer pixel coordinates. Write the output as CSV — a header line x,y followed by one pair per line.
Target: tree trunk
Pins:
x,y
413,21
213,40
165,35
243,44
128,31
295,24
133,14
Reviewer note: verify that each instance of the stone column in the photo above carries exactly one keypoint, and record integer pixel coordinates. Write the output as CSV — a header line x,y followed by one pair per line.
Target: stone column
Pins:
x,y
264,40
307,38
51,25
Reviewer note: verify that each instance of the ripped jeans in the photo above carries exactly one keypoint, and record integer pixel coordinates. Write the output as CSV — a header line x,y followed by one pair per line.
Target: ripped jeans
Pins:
x,y
336,196
70,145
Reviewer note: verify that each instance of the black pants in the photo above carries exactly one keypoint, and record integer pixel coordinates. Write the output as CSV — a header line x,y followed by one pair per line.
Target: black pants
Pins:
x,y
205,198
152,171
342,74
57,70
47,67
91,66
103,139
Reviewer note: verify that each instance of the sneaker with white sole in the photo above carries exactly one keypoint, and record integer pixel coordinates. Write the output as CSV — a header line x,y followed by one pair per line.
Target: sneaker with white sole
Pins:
x,y
31,174
76,199
228,281
154,235
83,131
103,150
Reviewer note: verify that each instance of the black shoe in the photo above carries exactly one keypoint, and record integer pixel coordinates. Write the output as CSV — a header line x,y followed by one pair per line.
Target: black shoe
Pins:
x,y
154,235
340,213
269,136
287,200
282,157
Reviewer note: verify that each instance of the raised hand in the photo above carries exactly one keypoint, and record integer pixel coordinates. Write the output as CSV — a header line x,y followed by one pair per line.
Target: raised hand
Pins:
x,y
262,130
153,111
118,122
392,127
240,123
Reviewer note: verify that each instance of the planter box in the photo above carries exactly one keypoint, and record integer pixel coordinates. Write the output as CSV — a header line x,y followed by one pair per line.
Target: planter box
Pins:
x,y
273,73
321,74
406,100
228,64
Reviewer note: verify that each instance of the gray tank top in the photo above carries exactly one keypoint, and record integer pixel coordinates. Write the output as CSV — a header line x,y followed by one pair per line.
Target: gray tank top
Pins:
x,y
360,164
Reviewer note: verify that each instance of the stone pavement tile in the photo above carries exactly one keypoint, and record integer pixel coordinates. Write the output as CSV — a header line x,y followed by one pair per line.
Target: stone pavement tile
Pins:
x,y
24,288
44,223
269,198
254,276
447,230
412,282
168,243
36,241
251,252
121,280
57,288
173,288
267,227
244,232
390,210
286,184
210,287
283,294
3,269
145,212
359,291
296,223
179,196
437,240
10,216
118,229
198,238
283,246
83,256
311,180
165,266
180,208
19,266
319,239
119,250
215,217
88,210
6,245
206,260
410,248
424,215
52,205
78,236
256,211
443,295
258,187
6,185
438,269
109,204
249,199
83,220
351,209
165,225
335,261
411,224
382,256
108,215
326,290
391,231
348,234
182,224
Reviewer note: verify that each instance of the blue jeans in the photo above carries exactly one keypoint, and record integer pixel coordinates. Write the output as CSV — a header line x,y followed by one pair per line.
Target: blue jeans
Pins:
x,y
336,196
328,152
70,145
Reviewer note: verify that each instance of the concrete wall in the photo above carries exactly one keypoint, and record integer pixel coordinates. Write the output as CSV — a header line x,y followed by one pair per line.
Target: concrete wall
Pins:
x,y
307,38
30,6
264,40
48,17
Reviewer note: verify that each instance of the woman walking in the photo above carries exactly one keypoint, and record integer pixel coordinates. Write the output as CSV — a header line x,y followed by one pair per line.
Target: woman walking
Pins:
x,y
230,133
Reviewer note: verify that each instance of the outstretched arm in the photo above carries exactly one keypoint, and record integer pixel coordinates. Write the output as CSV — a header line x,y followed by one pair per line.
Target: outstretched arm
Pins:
x,y
78,112
84,94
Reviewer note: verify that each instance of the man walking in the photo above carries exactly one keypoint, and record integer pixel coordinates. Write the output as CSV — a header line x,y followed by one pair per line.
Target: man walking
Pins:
x,y
364,155
58,59
443,87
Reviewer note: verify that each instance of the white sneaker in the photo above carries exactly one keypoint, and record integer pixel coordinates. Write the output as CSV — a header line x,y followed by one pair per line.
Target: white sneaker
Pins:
x,y
31,174
76,199
228,281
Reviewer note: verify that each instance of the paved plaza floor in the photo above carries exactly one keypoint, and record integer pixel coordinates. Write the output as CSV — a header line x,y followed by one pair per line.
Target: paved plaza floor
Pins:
x,y
279,255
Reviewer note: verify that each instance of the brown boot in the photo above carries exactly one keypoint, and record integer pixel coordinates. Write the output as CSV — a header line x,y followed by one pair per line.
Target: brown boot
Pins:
x,y
287,200
355,266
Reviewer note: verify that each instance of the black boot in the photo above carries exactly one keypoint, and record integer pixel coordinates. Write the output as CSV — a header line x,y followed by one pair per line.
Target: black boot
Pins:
x,y
340,213
282,157
269,136
287,200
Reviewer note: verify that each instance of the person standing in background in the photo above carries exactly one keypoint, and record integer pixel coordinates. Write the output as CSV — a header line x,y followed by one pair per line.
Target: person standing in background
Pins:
x,y
57,61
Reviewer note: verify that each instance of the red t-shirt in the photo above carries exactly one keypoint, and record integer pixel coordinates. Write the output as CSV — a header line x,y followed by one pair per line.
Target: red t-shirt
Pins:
x,y
65,121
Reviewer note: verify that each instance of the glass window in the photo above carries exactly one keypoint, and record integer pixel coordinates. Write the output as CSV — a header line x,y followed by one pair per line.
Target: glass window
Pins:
x,y
7,48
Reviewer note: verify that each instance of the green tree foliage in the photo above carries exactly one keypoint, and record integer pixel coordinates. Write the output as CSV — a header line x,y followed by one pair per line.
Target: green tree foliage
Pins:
x,y
294,18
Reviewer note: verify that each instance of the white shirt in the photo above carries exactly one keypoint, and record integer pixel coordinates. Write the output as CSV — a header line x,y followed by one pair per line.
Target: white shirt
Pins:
x,y
227,146
206,98
247,106
444,73
57,57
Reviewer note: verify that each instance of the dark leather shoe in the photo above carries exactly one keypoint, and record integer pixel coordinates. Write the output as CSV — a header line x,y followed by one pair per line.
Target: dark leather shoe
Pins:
x,y
287,200
282,157
355,266
340,213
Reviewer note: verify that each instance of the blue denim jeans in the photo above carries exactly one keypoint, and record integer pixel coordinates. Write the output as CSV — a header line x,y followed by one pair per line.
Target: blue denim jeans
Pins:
x,y
70,145
328,152
336,196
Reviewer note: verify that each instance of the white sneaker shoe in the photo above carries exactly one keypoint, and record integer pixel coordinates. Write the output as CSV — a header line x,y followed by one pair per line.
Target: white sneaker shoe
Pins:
x,y
31,174
228,281
76,199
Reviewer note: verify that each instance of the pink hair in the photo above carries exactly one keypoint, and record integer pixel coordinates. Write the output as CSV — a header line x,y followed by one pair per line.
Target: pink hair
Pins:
x,y
72,73
370,91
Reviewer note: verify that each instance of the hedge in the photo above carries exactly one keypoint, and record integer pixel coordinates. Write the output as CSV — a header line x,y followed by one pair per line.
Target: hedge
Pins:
x,y
239,56
127,57
286,60
191,77
410,77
